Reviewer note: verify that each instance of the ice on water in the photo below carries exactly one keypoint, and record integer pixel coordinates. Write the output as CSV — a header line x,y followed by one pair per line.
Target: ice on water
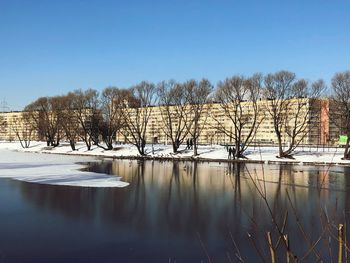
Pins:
x,y
53,170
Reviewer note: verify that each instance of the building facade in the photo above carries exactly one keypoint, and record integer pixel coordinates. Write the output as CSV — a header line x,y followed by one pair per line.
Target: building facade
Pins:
x,y
313,116
15,125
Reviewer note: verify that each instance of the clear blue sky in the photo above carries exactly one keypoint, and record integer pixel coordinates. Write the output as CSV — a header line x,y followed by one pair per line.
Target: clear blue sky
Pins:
x,y
51,47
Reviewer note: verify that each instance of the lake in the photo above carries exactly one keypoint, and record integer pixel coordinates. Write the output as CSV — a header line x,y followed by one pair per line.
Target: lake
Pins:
x,y
176,212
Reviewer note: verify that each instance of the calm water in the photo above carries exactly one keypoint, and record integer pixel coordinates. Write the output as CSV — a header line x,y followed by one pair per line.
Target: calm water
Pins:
x,y
172,212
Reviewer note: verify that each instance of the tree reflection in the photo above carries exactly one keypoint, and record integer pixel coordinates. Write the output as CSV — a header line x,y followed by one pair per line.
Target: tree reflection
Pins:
x,y
181,199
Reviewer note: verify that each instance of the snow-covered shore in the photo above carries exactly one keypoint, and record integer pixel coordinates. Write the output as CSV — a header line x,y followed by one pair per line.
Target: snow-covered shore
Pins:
x,y
206,152
51,169
60,166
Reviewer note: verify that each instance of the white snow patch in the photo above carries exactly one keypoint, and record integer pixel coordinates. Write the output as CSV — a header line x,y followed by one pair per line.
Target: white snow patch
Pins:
x,y
212,152
53,170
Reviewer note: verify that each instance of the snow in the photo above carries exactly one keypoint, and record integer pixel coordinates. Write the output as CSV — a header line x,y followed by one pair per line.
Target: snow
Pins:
x,y
52,169
331,155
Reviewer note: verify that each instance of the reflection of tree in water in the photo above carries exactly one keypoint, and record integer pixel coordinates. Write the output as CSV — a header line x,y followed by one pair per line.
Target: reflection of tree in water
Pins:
x,y
137,213
347,193
185,198
172,196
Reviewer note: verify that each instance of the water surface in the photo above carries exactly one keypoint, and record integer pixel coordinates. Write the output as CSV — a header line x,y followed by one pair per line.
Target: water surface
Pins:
x,y
172,212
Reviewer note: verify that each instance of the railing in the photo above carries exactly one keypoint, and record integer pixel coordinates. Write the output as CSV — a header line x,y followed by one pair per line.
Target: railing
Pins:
x,y
301,147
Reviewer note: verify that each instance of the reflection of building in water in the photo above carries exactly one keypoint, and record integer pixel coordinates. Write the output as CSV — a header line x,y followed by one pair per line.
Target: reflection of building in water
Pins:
x,y
182,199
323,178
216,195
183,180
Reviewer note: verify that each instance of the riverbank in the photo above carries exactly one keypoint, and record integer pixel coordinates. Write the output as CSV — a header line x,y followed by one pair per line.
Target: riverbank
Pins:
x,y
217,153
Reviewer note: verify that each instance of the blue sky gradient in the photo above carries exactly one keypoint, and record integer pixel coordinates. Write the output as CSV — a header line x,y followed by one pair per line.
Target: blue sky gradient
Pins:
x,y
51,47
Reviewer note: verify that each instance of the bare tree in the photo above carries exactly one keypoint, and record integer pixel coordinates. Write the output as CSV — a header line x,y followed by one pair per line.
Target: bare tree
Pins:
x,y
305,97
137,113
198,99
288,104
57,116
174,111
70,123
244,117
85,106
340,106
37,112
46,113
112,121
23,127
3,124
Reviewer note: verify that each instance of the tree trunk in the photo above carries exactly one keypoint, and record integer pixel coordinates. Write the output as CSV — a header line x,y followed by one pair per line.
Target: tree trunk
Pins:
x,y
280,149
290,149
109,143
141,147
72,144
236,152
175,147
21,143
195,150
88,144
141,150
57,142
346,150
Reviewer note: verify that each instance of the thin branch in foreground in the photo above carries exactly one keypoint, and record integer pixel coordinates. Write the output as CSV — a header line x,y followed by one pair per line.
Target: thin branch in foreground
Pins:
x,y
204,248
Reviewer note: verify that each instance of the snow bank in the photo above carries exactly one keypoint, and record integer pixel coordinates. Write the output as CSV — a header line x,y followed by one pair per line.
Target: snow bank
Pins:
x,y
53,170
209,152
